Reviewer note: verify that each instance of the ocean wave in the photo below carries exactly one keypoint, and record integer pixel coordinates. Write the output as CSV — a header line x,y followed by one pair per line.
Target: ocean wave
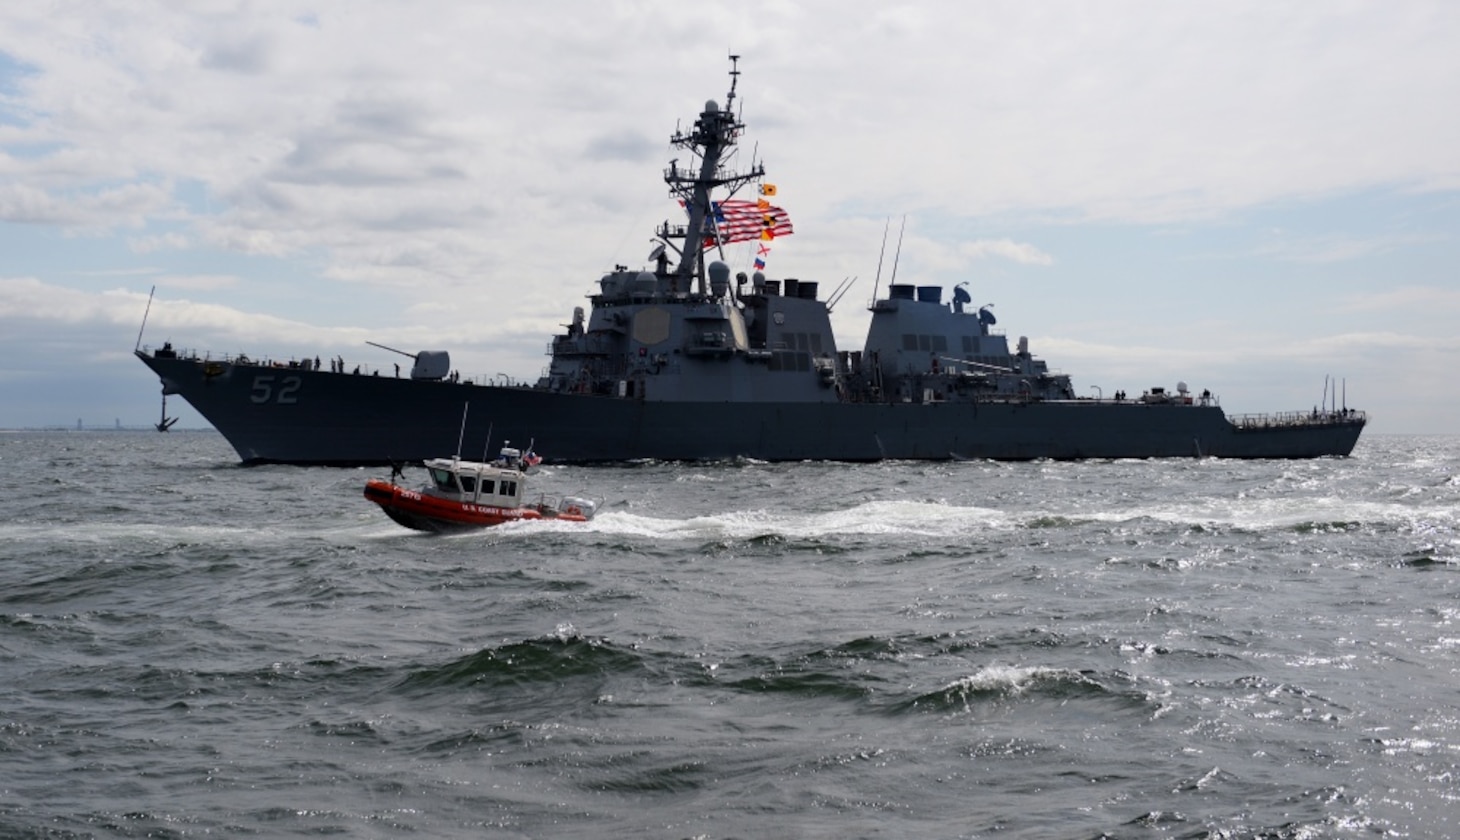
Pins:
x,y
549,659
1285,514
997,683
929,519
935,519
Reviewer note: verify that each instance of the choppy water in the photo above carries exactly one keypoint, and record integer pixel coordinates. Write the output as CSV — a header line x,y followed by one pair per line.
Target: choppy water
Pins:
x,y
1126,649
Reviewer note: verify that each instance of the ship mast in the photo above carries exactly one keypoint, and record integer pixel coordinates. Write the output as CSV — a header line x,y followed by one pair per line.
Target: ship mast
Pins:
x,y
711,141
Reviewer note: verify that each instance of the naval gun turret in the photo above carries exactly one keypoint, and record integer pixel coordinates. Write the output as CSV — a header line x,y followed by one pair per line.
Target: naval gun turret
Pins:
x,y
430,365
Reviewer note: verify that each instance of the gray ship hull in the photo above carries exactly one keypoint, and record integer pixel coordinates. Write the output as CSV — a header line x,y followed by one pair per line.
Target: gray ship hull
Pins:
x,y
285,415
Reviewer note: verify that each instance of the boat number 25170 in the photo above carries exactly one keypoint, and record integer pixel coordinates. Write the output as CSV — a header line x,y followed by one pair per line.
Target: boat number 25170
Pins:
x,y
285,392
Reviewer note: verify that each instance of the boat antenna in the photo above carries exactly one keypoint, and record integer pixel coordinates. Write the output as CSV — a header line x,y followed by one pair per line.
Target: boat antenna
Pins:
x,y
880,254
145,313
487,444
734,79
839,291
897,256
462,434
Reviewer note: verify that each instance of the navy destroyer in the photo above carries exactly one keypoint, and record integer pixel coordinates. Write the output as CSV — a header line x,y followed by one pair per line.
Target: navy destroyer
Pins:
x,y
689,359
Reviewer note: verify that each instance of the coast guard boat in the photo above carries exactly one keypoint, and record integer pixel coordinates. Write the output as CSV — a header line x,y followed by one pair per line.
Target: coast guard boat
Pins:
x,y
690,358
463,495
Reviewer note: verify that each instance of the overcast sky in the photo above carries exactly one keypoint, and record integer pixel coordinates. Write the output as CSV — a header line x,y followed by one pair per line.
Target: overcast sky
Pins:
x,y
1248,197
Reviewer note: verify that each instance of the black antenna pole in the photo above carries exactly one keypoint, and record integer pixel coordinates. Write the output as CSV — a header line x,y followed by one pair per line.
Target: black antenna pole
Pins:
x,y
734,79
898,255
145,313
880,254
461,435
836,296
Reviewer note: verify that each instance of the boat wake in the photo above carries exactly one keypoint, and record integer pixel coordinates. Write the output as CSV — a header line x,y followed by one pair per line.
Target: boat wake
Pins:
x,y
925,519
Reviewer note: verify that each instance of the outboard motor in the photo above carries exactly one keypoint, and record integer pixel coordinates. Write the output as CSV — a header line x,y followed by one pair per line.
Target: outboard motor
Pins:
x,y
578,505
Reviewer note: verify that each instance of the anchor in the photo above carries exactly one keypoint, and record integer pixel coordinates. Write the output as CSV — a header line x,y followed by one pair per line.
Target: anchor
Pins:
x,y
165,422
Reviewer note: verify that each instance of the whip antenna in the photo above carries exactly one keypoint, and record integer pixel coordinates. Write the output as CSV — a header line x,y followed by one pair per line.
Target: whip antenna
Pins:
x,y
461,434
145,313
898,255
880,254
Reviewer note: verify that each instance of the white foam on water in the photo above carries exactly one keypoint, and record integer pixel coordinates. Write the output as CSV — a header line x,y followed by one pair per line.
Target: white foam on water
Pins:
x,y
1007,678
870,518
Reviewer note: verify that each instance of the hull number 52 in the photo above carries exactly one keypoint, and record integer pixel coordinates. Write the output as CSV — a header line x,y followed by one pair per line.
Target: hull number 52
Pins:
x,y
285,392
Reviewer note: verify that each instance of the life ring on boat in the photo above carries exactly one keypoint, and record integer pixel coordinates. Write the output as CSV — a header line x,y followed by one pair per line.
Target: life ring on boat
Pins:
x,y
573,510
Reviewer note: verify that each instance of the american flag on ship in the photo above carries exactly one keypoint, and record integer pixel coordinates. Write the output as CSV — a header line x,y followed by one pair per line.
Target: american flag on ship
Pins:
x,y
745,221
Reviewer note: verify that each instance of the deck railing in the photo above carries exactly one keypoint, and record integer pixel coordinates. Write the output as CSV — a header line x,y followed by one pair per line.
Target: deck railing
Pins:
x,y
1299,419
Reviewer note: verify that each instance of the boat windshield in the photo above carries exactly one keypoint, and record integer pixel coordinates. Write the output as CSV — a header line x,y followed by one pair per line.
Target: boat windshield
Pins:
x,y
443,479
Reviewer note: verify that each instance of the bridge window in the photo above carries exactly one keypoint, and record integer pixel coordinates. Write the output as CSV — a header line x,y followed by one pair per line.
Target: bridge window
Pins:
x,y
443,479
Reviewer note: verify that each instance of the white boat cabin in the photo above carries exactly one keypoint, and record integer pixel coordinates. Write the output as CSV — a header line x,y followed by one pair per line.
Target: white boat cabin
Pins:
x,y
495,484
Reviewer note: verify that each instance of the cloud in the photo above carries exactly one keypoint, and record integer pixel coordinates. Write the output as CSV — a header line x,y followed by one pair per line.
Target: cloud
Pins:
x,y
196,282
1019,252
1144,112
631,147
148,244
129,205
1444,303
1338,248
30,310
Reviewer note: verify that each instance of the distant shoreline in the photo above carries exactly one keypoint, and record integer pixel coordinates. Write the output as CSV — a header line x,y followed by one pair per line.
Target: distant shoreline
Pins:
x,y
107,429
